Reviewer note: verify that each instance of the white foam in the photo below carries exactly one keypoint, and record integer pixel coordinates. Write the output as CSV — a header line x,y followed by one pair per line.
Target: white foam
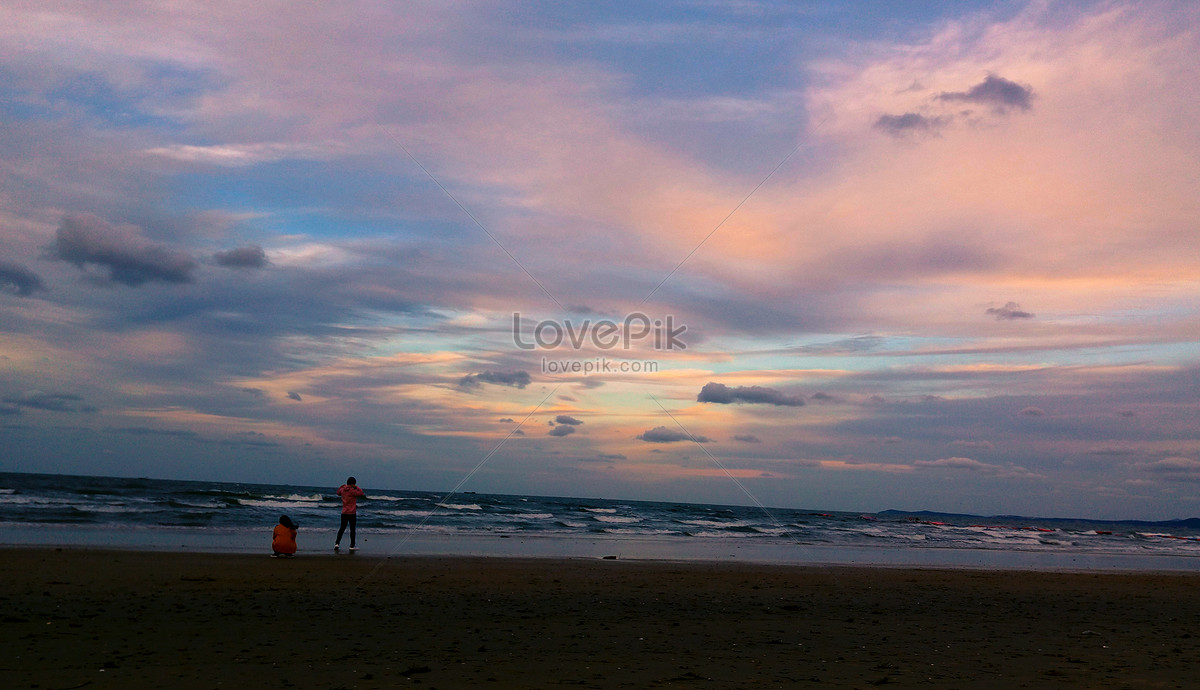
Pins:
x,y
101,508
407,513
274,503
39,501
774,531
723,535
717,523
212,505
315,498
617,519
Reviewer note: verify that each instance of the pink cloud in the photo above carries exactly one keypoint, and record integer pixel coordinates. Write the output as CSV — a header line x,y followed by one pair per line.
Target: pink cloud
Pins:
x,y
971,465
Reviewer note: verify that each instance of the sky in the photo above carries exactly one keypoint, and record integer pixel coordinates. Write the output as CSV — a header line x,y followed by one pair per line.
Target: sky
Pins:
x,y
828,255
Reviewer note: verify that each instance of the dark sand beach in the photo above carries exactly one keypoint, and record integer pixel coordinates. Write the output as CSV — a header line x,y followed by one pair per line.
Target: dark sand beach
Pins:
x,y
125,619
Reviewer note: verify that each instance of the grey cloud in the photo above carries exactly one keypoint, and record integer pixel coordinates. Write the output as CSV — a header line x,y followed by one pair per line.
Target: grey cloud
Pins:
x,y
940,254
256,392
612,456
566,419
724,395
1114,452
293,395
970,465
978,445
1166,400
1175,469
748,313
251,439
955,463
251,256
516,379
562,431
51,402
909,124
130,258
1009,311
747,438
148,431
506,419
661,434
995,91
857,344
18,280
597,459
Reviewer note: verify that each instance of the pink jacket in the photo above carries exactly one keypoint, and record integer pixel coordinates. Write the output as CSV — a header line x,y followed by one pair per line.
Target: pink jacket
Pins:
x,y
350,494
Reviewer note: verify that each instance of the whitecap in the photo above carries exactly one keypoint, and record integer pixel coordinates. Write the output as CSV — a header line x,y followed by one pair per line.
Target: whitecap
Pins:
x,y
273,503
717,523
618,519
406,513
294,497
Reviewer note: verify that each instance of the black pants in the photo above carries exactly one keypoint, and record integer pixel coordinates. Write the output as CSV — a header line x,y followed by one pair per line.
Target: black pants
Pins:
x,y
347,519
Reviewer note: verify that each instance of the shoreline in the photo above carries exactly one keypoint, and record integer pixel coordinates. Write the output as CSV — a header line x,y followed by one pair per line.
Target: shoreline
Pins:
x,y
119,618
318,543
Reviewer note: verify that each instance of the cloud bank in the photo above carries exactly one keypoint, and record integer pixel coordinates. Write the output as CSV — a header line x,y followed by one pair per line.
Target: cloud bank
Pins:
x,y
661,434
130,259
721,394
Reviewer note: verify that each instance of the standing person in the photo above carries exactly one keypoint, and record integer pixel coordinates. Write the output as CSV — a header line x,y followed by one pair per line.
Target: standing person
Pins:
x,y
350,494
283,539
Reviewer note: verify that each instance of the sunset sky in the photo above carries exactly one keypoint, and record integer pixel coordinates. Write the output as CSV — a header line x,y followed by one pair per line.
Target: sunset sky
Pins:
x,y
925,255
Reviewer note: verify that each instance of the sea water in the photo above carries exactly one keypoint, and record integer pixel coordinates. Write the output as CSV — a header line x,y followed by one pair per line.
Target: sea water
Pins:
x,y
64,510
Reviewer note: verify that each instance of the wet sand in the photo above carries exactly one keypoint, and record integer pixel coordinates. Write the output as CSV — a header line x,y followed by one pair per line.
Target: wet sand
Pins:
x,y
77,618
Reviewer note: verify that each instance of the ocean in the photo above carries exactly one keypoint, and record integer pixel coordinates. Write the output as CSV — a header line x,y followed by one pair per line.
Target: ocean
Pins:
x,y
63,510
